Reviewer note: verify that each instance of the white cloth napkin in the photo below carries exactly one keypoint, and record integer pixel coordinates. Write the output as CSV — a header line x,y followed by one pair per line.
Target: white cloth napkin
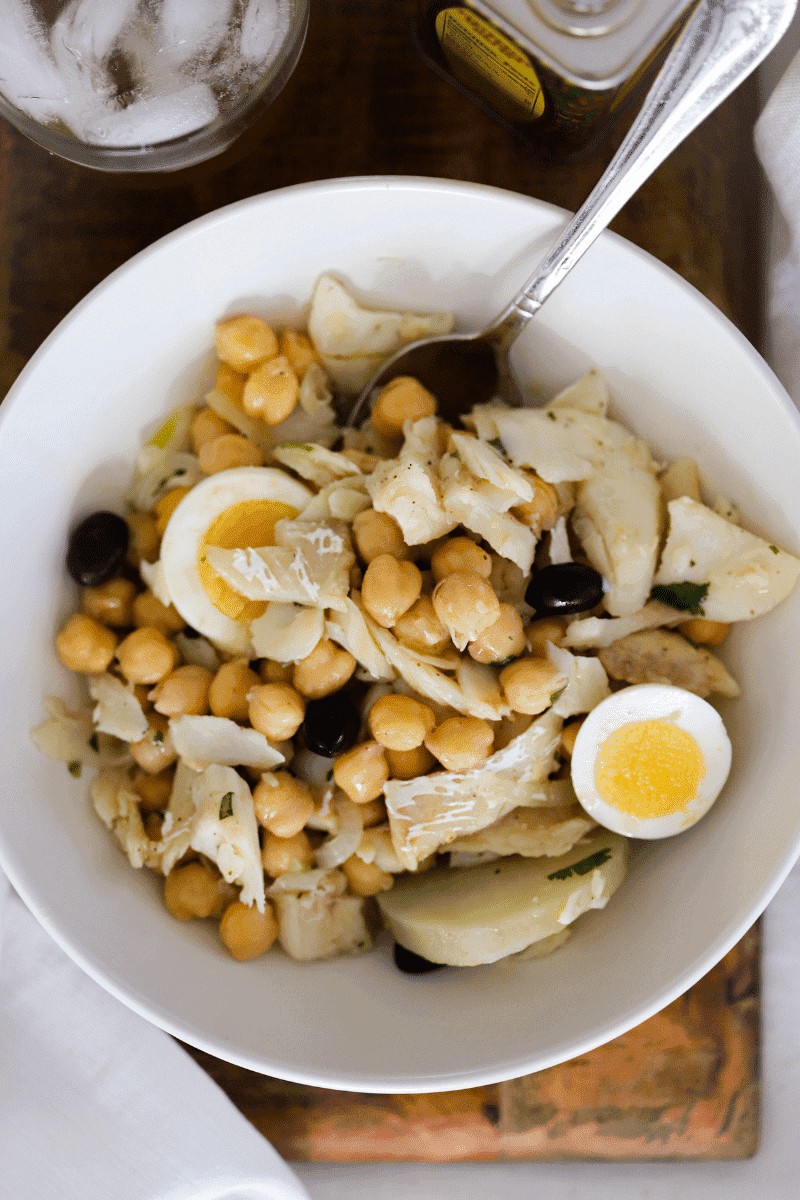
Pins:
x,y
97,1104
777,138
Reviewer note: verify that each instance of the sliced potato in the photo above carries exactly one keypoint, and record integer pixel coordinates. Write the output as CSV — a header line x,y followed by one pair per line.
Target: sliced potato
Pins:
x,y
480,914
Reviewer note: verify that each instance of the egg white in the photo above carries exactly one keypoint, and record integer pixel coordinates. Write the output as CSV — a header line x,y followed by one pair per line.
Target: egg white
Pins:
x,y
187,528
646,702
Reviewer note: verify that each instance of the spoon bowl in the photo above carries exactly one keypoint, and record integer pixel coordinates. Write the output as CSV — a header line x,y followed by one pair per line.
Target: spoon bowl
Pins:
x,y
721,44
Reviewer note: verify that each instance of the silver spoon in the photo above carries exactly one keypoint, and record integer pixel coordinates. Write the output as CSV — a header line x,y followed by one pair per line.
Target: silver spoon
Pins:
x,y
721,44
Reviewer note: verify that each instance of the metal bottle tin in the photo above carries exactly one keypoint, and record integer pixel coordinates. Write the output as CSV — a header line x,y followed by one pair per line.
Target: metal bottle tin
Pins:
x,y
557,72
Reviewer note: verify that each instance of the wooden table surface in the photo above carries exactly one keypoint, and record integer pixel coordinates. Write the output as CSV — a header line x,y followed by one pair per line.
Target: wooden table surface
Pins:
x,y
362,102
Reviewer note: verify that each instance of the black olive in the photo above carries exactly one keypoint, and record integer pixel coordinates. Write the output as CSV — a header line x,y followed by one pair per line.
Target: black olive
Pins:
x,y
564,588
97,548
413,964
331,725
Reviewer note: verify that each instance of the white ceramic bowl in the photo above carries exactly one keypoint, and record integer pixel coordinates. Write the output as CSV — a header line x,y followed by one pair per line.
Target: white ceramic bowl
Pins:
x,y
684,379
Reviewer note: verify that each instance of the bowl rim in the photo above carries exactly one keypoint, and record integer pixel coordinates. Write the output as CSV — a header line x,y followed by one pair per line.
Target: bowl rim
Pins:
x,y
456,1079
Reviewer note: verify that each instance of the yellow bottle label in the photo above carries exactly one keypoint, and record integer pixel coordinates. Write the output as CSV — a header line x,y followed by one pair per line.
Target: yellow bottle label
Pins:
x,y
490,64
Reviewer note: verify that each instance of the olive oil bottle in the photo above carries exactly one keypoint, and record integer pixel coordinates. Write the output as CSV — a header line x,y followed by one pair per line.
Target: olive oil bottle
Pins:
x,y
556,72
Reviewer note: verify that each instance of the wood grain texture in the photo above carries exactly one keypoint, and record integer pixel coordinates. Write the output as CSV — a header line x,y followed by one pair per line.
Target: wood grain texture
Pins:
x,y
685,1084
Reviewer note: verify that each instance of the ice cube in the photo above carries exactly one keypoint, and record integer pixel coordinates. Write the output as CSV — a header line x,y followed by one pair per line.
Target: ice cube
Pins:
x,y
264,27
189,28
81,43
90,29
28,76
155,119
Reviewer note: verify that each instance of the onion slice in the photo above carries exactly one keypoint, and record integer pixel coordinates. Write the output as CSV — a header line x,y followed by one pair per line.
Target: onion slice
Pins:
x,y
341,847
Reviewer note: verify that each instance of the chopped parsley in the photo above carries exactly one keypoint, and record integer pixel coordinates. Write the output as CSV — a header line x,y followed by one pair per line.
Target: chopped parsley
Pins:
x,y
551,416
686,597
497,445
774,549
75,768
226,806
158,738
329,774
94,743
554,696
584,866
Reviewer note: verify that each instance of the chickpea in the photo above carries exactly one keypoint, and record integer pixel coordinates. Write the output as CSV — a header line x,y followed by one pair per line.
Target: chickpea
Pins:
x,y
149,611
298,349
705,633
184,691
244,342
460,554
539,633
145,656
84,645
194,891
410,764
247,933
390,587
568,735
165,506
155,752
230,688
420,629
275,672
540,513
283,855
230,383
461,743
403,399
501,641
326,669
362,772
365,879
282,803
377,533
374,811
529,684
206,427
228,451
400,722
276,710
144,540
154,790
110,603
466,604
272,391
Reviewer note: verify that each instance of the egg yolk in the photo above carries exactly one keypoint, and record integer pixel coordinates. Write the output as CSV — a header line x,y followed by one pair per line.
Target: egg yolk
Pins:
x,y
249,523
649,769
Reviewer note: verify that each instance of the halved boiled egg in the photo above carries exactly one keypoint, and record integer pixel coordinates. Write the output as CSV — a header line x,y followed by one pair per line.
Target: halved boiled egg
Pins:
x,y
650,760
233,509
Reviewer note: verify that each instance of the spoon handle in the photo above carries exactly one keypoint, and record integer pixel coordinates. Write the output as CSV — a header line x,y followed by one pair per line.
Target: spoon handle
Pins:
x,y
721,44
